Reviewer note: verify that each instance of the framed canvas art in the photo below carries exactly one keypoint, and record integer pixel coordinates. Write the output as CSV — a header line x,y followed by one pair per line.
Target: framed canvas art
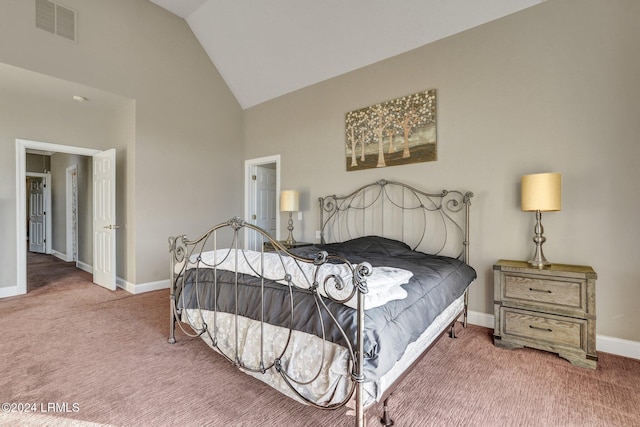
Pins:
x,y
395,132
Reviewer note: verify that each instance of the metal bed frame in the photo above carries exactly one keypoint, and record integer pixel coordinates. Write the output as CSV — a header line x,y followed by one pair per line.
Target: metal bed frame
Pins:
x,y
341,218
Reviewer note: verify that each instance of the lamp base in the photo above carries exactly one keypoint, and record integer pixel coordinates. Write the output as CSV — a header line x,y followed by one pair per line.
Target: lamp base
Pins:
x,y
539,263
538,260
290,240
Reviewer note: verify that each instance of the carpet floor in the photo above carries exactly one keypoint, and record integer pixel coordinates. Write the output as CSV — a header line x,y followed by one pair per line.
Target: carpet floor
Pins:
x,y
75,354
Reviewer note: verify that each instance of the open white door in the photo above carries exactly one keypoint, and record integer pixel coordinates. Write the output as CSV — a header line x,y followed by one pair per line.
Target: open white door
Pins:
x,y
267,208
266,199
104,218
263,200
37,221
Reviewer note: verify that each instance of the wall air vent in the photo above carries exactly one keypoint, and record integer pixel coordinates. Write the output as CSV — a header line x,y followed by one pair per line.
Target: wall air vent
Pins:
x,y
56,19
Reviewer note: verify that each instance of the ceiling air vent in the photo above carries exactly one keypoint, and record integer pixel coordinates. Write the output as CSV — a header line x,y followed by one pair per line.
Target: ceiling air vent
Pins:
x,y
56,19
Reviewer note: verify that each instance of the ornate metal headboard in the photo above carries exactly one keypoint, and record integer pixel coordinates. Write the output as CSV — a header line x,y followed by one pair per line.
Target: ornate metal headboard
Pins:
x,y
436,223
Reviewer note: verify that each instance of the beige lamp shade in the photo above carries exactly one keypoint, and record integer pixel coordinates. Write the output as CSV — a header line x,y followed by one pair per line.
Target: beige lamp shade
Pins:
x,y
542,192
289,201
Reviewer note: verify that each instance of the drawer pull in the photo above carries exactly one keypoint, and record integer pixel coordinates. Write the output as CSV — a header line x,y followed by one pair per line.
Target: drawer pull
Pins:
x,y
541,329
540,290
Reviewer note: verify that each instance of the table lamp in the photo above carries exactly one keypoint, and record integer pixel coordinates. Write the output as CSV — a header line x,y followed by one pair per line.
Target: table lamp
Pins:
x,y
541,192
290,202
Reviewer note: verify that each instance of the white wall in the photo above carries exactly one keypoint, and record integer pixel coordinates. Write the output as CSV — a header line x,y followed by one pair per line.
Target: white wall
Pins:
x,y
553,88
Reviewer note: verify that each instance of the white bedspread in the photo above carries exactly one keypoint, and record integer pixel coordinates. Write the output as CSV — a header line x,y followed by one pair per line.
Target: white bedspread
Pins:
x,y
304,355
384,284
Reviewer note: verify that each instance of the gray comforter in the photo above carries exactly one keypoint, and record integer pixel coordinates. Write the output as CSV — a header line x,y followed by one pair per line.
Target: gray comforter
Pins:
x,y
436,283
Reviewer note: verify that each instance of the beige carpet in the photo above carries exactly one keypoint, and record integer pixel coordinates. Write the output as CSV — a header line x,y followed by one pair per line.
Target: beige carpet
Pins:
x,y
87,356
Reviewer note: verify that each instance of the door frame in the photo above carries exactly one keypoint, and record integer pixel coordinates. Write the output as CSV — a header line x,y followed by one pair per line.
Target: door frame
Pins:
x,y
47,207
71,203
21,203
250,167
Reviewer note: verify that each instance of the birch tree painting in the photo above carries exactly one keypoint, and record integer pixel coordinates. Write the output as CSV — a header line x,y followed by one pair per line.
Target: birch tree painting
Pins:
x,y
396,132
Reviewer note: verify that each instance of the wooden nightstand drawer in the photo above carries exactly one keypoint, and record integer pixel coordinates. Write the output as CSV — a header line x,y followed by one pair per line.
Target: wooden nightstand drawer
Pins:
x,y
544,290
551,308
550,329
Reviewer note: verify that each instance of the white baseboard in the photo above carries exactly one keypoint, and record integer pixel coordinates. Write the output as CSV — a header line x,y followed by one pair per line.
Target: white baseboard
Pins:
x,y
626,348
128,286
617,346
59,255
84,266
9,291
142,287
480,319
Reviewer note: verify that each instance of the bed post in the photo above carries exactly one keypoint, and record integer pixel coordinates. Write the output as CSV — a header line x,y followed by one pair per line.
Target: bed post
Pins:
x,y
467,204
360,363
362,271
360,422
178,251
321,200
172,292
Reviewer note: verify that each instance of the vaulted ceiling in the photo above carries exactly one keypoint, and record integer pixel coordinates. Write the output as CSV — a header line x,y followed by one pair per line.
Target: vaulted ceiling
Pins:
x,y
265,49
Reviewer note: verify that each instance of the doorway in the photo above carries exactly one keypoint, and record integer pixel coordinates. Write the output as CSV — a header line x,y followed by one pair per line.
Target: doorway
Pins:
x,y
262,189
71,219
21,249
38,204
47,262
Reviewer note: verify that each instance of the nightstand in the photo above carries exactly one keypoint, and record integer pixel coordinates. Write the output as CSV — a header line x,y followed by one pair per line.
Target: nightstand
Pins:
x,y
551,308
268,247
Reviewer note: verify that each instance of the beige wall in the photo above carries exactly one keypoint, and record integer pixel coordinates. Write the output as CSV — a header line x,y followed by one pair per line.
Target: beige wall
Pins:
x,y
552,88
124,129
183,133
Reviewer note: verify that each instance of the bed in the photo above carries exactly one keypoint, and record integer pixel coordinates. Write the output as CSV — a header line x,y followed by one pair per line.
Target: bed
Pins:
x,y
341,322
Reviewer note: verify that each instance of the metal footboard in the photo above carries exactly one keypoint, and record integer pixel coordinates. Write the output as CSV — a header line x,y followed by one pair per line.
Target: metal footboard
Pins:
x,y
221,247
